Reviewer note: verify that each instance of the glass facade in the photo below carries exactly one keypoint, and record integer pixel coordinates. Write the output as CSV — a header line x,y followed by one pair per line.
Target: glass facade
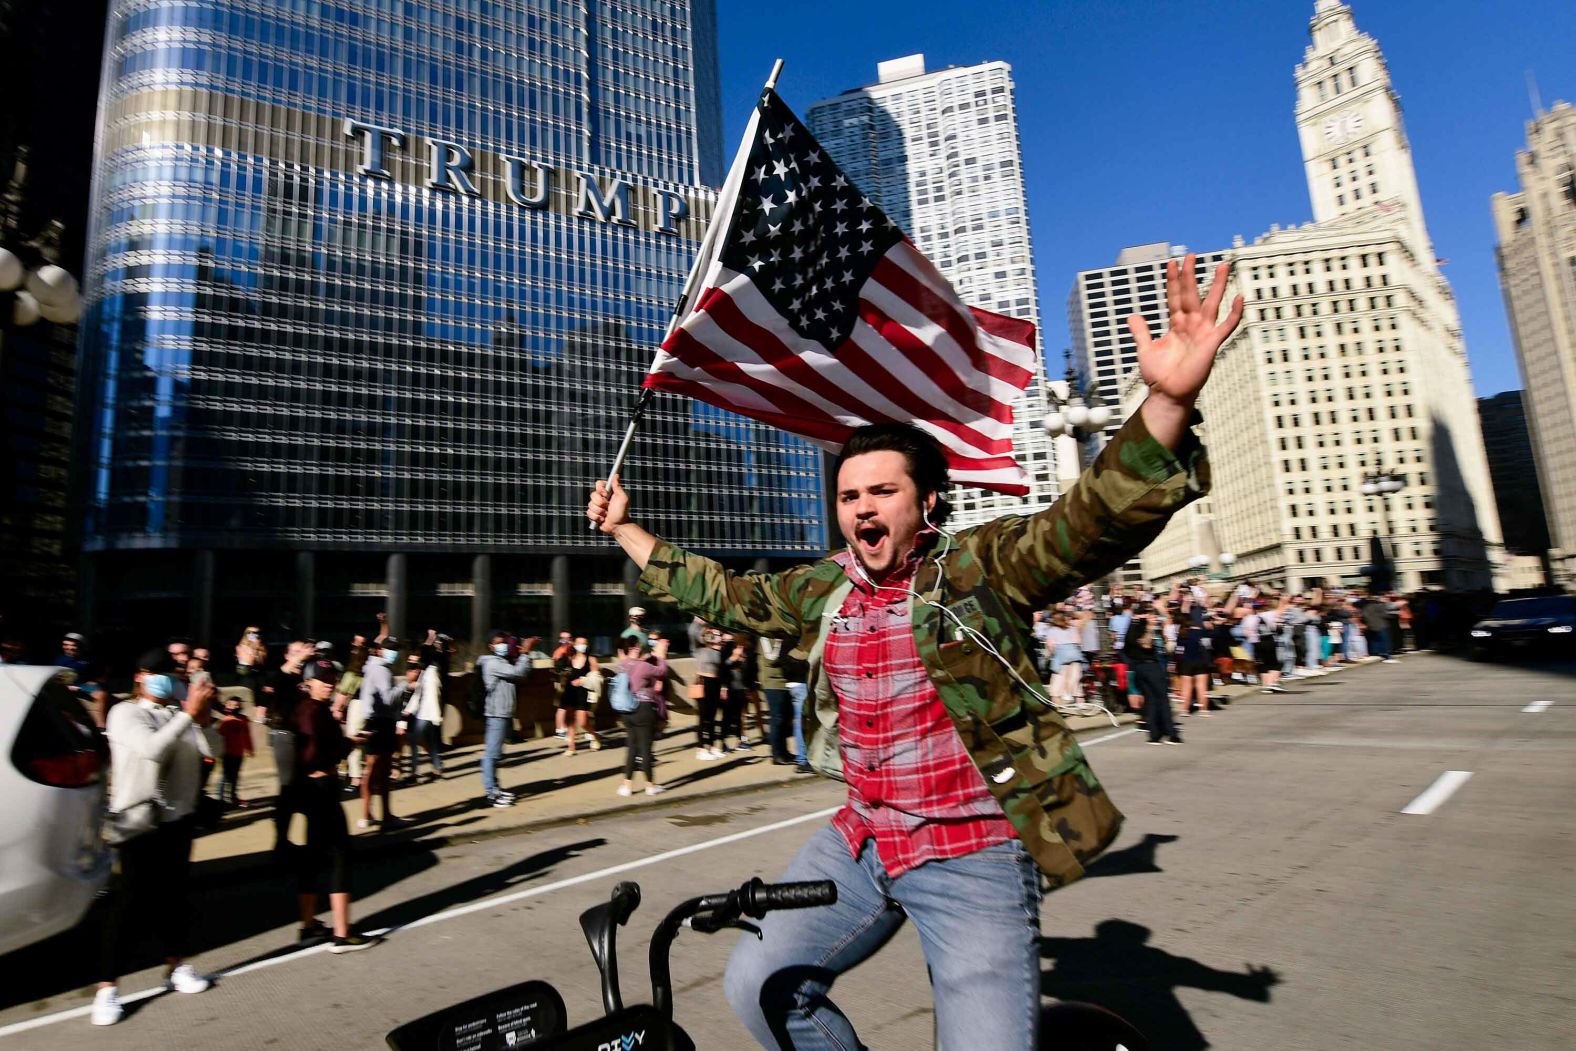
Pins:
x,y
385,275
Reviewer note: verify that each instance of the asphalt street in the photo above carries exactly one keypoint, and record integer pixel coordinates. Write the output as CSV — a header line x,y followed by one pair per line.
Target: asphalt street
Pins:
x,y
1269,891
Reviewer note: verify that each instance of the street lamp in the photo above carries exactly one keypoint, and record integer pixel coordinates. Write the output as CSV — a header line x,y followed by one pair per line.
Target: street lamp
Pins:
x,y
1075,416
48,293
1383,484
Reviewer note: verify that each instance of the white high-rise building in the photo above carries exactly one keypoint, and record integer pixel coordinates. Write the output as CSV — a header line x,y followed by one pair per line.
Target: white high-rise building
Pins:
x,y
1100,302
1536,231
1349,362
939,153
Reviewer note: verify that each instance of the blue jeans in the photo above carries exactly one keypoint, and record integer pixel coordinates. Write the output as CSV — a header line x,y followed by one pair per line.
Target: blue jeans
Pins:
x,y
1379,643
424,735
497,731
799,691
978,918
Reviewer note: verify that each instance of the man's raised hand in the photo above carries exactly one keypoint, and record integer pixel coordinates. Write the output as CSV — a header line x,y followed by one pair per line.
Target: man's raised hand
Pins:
x,y
1176,365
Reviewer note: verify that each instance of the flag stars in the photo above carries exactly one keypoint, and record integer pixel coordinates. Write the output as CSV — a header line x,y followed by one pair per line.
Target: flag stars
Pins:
x,y
866,226
780,169
774,229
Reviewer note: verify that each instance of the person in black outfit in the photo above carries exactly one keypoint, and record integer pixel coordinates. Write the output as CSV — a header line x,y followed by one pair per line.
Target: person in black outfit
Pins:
x,y
1147,669
321,746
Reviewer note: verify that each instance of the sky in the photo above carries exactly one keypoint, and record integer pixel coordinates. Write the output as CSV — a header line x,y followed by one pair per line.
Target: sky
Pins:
x,y
1158,120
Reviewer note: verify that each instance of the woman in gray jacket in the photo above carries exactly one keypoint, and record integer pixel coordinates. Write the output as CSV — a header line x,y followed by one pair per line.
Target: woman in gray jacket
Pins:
x,y
156,757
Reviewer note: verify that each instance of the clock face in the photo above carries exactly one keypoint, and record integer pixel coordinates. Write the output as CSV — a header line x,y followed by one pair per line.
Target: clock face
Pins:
x,y
1343,126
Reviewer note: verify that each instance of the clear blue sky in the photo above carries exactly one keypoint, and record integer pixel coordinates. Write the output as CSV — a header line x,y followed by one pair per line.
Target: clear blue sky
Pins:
x,y
1167,121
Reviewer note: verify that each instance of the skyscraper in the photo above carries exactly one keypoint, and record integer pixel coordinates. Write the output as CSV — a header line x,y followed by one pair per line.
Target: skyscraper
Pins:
x,y
372,289
1514,471
1349,363
1100,302
939,153
1536,232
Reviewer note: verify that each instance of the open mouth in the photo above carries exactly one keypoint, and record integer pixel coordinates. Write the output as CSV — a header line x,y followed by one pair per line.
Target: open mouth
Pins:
x,y
871,538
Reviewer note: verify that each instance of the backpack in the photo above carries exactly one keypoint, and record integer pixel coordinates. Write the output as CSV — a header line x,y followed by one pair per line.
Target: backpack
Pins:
x,y
622,697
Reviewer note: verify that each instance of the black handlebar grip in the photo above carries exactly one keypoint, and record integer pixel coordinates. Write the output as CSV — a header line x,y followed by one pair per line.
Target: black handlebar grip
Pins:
x,y
761,898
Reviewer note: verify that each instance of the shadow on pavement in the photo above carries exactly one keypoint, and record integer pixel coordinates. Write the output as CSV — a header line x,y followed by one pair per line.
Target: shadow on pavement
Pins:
x,y
1119,970
1134,860
223,914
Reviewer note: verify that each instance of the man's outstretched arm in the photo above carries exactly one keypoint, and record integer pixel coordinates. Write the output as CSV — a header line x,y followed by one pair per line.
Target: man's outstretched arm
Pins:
x,y
608,510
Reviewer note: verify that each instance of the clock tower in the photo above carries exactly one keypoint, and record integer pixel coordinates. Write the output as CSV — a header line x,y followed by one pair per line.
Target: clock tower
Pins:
x,y
1354,144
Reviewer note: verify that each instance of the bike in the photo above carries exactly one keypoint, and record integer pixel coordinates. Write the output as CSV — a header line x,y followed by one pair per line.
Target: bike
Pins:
x,y
532,1014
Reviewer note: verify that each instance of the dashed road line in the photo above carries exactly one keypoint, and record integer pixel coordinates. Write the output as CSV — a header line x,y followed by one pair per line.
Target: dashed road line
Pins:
x,y
1435,794
1537,706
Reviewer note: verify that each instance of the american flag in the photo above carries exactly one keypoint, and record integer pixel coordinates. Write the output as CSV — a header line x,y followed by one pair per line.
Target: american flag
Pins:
x,y
815,314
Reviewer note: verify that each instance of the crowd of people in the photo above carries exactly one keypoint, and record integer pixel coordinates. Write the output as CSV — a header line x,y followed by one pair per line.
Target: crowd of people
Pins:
x,y
1161,654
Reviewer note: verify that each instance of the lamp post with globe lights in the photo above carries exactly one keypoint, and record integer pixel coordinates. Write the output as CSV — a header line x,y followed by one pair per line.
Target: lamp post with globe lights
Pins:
x,y
1076,416
1382,484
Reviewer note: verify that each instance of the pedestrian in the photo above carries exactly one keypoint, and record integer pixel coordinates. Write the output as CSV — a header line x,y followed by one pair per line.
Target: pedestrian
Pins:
x,y
1193,666
1146,671
72,660
634,628
1066,648
741,680
1266,653
777,666
1376,626
1040,630
276,710
645,671
381,701
156,753
497,676
424,713
1088,636
708,706
251,661
580,681
921,643
236,730
566,646
322,747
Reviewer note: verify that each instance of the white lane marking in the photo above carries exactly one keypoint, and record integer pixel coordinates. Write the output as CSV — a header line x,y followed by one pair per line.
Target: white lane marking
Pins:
x,y
1537,706
478,906
1442,789
1108,737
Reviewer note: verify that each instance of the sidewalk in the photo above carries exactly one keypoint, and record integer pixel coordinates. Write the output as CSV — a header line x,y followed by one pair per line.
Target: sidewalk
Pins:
x,y
550,788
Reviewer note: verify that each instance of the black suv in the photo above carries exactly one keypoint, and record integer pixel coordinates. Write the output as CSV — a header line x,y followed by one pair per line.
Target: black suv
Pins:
x,y
1546,624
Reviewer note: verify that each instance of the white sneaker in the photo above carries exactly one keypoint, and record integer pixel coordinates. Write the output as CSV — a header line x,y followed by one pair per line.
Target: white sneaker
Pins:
x,y
596,742
363,823
718,753
560,733
1391,660
106,1007
185,980
705,755
624,790
652,790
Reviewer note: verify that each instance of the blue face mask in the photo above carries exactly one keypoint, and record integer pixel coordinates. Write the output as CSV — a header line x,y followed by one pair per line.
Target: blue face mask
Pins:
x,y
501,648
160,686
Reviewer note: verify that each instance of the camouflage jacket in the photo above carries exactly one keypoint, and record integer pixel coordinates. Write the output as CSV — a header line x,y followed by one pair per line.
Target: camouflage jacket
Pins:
x,y
992,577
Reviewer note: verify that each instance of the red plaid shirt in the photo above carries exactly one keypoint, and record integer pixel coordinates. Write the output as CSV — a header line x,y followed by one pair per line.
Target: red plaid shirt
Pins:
x,y
911,783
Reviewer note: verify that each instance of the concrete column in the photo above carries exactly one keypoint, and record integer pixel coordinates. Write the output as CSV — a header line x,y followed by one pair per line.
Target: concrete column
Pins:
x,y
305,591
203,573
560,597
398,588
481,598
631,583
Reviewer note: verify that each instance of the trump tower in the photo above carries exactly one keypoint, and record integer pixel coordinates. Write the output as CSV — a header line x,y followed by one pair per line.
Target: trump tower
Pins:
x,y
372,285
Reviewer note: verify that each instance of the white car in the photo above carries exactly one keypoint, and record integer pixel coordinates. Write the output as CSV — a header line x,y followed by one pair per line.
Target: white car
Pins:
x,y
53,769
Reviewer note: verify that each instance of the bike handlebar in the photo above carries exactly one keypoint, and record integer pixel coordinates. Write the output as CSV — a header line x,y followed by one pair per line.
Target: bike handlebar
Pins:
x,y
757,898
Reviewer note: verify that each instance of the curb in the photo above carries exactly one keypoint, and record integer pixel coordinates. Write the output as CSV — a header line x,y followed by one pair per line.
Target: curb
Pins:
x,y
239,868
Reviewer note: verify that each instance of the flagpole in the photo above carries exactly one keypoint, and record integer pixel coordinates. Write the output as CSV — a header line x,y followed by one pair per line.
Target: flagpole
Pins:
x,y
719,221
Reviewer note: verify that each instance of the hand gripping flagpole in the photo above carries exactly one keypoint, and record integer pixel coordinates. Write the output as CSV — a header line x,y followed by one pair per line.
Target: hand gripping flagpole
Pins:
x,y
720,219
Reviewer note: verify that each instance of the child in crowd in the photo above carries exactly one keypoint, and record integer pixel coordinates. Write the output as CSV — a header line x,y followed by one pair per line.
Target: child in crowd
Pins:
x,y
237,733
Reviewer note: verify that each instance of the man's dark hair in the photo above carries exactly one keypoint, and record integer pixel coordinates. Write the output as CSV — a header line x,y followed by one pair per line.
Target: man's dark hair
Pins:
x,y
927,463
156,661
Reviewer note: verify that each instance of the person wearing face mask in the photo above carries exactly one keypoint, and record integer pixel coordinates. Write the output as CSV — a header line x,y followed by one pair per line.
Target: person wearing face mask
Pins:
x,y
498,676
566,646
382,698
580,676
156,755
